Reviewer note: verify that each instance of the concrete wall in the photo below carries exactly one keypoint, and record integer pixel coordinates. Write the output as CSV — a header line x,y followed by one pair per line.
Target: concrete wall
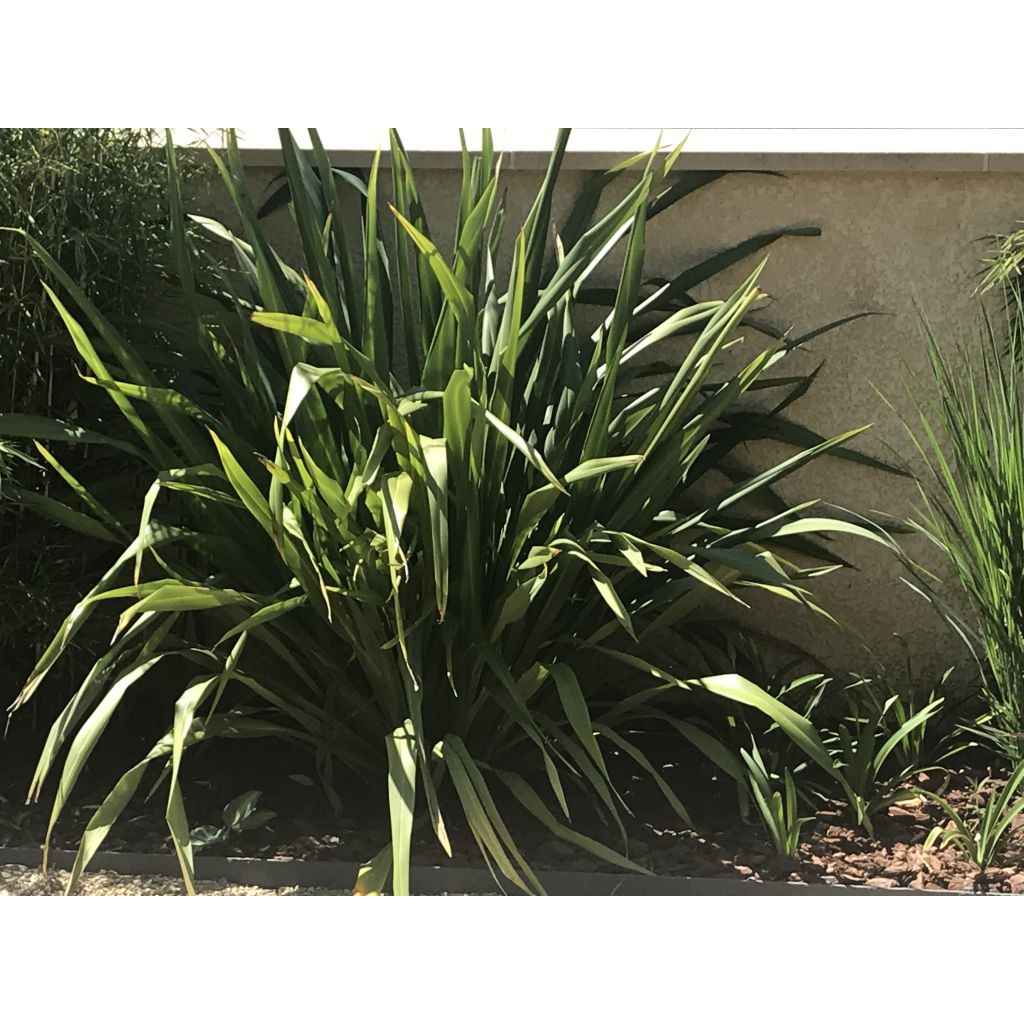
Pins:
x,y
889,239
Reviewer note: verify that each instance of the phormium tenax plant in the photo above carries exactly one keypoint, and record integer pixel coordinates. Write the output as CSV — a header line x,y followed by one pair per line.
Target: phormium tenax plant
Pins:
x,y
406,511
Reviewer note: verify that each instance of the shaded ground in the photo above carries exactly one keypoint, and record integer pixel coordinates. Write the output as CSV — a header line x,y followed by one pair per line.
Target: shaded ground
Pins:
x,y
834,851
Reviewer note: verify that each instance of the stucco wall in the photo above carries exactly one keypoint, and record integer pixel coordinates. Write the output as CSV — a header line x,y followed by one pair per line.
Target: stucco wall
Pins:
x,y
889,239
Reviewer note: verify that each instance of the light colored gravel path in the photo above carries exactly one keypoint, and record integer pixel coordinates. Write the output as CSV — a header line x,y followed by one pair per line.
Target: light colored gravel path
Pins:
x,y
19,881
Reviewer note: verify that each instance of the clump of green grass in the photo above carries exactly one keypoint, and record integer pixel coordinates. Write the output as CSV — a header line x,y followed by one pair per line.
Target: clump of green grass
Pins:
x,y
969,433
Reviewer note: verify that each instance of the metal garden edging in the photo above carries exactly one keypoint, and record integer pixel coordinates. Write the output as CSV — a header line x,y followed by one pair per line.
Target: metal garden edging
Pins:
x,y
432,881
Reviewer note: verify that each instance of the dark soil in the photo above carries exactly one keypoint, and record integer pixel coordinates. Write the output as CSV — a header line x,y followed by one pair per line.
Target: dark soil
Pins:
x,y
834,850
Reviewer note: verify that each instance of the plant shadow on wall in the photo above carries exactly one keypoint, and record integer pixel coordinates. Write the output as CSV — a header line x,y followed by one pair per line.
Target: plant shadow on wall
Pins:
x,y
422,577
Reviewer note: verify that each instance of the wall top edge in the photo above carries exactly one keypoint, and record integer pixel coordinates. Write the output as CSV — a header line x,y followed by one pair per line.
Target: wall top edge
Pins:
x,y
775,149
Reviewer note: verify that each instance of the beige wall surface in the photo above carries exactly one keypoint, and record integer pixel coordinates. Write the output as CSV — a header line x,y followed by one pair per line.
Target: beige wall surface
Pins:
x,y
889,240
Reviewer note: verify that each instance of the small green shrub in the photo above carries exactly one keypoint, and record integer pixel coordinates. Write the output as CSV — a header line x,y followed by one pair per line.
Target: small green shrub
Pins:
x,y
409,515
779,809
754,750
240,815
877,747
873,751
980,837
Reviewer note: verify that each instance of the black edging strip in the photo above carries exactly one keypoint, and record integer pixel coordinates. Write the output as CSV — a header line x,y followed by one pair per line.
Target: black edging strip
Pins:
x,y
425,881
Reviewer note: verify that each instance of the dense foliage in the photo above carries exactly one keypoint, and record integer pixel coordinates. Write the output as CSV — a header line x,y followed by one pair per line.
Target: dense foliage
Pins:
x,y
409,510
970,434
1002,274
96,199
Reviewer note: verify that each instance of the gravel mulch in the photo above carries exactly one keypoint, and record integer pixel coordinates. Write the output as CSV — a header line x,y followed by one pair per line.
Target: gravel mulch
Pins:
x,y
20,881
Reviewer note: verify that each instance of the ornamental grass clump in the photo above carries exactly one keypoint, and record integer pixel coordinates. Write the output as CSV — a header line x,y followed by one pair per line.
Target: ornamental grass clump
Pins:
x,y
407,513
970,436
